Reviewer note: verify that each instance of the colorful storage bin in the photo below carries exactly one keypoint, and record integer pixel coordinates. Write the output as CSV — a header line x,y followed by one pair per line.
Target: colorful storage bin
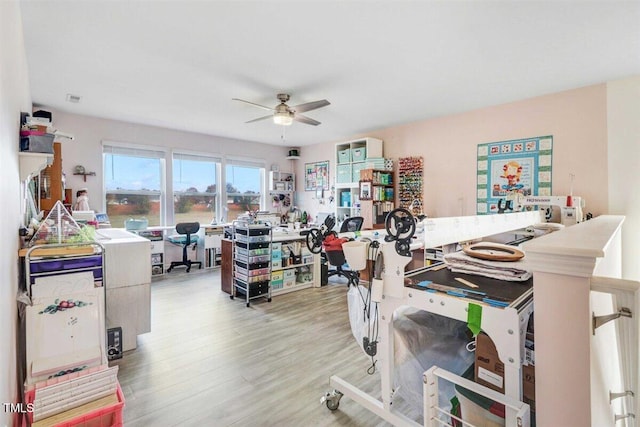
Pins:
x,y
343,175
355,171
358,154
344,156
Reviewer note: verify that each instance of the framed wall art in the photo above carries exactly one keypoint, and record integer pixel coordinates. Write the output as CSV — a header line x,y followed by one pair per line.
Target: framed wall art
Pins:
x,y
365,190
520,165
316,176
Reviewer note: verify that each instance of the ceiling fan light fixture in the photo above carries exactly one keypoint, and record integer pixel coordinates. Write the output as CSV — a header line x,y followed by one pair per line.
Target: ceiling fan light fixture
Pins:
x,y
283,118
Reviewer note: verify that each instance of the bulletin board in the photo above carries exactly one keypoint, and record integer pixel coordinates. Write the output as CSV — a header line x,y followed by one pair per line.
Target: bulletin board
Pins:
x,y
316,176
520,165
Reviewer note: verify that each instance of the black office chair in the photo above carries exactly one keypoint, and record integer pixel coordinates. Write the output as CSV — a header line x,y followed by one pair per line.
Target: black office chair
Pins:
x,y
186,228
352,224
336,257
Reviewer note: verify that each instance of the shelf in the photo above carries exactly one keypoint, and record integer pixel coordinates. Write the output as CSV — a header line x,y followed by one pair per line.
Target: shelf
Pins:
x,y
32,163
288,267
85,174
293,288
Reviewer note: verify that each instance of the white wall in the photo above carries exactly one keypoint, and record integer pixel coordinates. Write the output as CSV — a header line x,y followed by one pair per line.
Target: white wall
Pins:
x,y
89,132
14,97
623,134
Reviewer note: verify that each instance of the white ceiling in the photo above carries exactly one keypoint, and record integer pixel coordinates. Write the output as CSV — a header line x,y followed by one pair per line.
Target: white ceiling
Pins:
x,y
178,64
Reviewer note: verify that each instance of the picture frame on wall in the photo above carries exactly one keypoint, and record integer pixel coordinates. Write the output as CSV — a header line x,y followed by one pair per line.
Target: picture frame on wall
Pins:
x,y
365,190
316,176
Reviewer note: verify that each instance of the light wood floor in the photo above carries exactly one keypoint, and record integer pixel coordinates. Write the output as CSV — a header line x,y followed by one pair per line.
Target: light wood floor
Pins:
x,y
211,361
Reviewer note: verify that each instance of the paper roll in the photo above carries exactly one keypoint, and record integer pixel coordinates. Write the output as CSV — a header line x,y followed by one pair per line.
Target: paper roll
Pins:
x,y
377,288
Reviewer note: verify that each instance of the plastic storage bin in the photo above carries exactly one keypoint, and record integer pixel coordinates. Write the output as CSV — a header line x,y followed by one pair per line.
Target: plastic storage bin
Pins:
x,y
35,143
108,416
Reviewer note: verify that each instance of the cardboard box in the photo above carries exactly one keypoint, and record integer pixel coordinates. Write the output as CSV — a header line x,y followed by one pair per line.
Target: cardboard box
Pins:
x,y
489,370
529,386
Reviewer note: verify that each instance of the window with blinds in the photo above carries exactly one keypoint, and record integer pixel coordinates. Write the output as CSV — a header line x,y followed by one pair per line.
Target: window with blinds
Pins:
x,y
133,183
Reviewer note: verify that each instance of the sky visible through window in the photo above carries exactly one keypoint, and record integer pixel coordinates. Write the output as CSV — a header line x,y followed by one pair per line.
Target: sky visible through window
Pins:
x,y
139,173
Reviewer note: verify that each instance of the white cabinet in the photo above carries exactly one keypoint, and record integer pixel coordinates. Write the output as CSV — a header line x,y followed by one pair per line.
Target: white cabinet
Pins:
x,y
351,158
282,182
128,283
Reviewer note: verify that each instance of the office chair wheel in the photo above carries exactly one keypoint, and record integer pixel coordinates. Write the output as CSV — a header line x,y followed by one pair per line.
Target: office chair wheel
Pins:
x,y
188,269
169,269
332,399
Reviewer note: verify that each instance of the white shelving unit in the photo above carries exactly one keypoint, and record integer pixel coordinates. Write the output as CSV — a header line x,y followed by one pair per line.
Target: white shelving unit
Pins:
x,y
282,182
288,276
157,249
213,245
351,158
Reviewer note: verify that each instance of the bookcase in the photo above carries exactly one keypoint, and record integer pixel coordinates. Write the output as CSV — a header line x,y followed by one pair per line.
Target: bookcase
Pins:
x,y
377,196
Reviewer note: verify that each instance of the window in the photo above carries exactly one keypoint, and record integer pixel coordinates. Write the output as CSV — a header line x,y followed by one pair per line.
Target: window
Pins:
x,y
134,184
195,188
244,184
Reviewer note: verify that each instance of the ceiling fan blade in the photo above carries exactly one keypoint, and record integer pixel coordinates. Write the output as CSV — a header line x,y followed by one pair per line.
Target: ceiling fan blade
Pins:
x,y
270,116
253,103
304,119
310,106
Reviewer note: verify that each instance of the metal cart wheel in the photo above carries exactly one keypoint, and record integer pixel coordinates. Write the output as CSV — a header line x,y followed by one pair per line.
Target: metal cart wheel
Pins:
x,y
230,296
269,300
248,304
332,399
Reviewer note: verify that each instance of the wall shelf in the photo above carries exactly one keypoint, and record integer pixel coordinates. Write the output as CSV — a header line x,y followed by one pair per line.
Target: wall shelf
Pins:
x,y
85,174
32,163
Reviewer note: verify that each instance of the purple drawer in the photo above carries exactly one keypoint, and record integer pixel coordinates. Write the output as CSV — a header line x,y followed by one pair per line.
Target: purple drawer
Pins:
x,y
65,264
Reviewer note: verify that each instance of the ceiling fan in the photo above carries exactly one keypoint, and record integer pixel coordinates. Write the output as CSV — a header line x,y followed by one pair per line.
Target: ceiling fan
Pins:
x,y
285,115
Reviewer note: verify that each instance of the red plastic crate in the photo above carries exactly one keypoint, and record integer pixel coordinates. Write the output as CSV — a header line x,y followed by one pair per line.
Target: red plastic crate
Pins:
x,y
109,416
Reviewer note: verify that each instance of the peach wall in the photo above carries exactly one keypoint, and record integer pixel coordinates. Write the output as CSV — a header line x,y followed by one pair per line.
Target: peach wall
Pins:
x,y
577,119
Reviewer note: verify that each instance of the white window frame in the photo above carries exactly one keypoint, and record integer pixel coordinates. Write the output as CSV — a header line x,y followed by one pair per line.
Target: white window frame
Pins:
x,y
246,162
191,155
113,147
